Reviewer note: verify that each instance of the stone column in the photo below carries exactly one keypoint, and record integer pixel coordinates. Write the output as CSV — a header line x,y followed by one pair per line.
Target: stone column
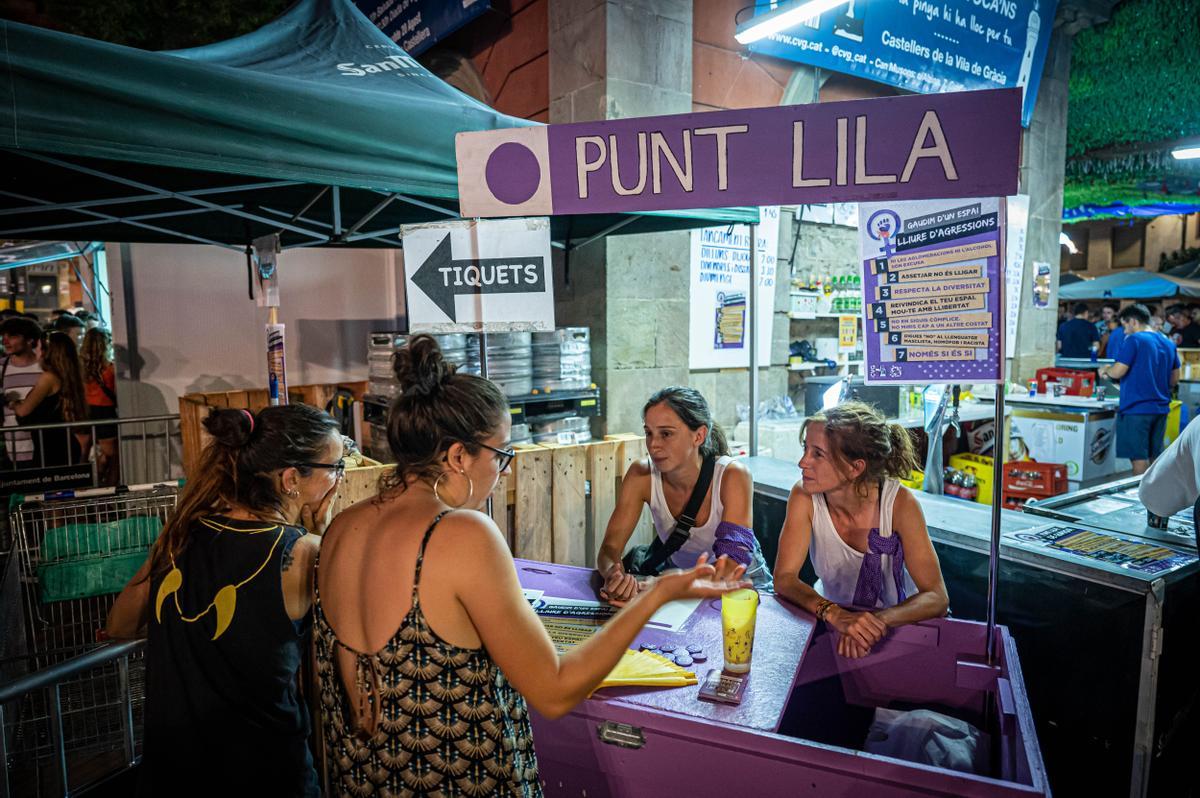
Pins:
x,y
610,61
1043,161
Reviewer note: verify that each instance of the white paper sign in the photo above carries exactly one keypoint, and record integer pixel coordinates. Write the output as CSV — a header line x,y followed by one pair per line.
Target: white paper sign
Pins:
x,y
479,275
1016,227
720,288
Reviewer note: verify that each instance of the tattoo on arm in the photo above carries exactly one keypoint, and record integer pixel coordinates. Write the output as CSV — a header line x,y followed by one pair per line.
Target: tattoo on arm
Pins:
x,y
288,556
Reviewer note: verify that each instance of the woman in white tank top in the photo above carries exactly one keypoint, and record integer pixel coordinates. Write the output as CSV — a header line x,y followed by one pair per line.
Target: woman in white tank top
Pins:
x,y
864,531
680,434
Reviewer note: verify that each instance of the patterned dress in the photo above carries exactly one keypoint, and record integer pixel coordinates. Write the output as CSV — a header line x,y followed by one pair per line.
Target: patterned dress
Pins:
x,y
439,720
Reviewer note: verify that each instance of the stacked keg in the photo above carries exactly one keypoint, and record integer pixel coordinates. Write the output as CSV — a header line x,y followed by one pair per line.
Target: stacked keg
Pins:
x,y
562,359
381,379
569,430
509,361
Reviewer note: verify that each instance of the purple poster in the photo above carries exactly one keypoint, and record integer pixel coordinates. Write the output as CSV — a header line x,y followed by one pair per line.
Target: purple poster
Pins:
x,y
965,144
933,283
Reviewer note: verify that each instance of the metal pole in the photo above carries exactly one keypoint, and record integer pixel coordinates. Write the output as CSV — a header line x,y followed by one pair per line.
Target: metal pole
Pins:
x,y
999,449
752,319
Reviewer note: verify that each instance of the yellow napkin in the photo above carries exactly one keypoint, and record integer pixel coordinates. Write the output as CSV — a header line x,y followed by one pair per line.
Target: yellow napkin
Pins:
x,y
644,669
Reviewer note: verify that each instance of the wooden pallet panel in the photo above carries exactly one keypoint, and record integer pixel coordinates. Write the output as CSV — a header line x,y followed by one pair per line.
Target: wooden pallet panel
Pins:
x,y
501,506
632,449
359,483
533,510
569,505
604,478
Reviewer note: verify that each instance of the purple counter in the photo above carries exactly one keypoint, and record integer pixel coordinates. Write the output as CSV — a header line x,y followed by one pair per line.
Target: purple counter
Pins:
x,y
645,741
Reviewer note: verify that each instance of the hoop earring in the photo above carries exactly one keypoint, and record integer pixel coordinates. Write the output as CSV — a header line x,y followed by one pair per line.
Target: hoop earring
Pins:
x,y
470,490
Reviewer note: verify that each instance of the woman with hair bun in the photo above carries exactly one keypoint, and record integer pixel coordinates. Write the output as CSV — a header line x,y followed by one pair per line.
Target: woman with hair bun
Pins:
x,y
426,648
683,442
876,567
224,601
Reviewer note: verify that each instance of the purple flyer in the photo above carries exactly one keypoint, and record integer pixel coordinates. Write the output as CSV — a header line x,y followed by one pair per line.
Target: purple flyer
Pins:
x,y
933,290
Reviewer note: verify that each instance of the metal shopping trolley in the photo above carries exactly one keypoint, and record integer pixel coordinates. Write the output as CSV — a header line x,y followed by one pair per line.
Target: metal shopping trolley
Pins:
x,y
75,552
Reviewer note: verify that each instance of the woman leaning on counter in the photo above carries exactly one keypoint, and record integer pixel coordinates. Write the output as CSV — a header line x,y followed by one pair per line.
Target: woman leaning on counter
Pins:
x,y
875,564
688,463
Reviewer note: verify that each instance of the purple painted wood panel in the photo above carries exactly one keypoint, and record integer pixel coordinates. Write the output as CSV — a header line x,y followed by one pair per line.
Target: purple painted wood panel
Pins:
x,y
690,749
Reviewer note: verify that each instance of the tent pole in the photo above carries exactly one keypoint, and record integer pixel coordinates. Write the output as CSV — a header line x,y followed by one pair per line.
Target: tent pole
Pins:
x,y
172,194
99,203
123,219
118,220
752,320
337,211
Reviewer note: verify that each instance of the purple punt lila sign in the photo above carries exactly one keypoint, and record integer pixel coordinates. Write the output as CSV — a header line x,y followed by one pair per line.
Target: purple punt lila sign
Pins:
x,y
963,144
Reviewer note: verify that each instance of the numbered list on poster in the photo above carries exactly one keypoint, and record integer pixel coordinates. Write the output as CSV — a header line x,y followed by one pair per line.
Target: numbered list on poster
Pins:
x,y
933,282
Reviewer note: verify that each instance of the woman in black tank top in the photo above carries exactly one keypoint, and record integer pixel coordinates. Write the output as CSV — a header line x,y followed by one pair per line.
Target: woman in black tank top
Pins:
x,y
224,601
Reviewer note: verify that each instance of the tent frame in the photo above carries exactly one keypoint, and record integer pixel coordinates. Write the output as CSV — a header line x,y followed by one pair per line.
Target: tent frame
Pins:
x,y
320,233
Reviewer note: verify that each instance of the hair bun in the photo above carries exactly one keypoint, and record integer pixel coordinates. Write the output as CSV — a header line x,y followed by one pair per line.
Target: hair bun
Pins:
x,y
230,428
420,367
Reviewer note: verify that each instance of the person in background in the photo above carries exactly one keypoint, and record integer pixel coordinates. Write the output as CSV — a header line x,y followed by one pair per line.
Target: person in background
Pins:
x,y
426,648
19,372
1076,336
1184,333
71,325
680,436
56,397
100,391
875,563
1108,317
1148,368
1114,340
224,603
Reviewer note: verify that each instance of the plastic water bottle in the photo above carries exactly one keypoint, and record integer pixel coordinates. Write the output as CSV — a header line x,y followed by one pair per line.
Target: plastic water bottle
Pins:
x,y
1095,351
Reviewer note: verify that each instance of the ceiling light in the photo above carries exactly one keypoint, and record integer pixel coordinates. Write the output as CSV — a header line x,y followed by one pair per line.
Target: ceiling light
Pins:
x,y
786,16
1184,153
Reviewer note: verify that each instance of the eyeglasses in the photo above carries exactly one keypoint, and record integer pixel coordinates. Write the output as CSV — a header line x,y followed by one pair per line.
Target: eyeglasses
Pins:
x,y
504,456
338,468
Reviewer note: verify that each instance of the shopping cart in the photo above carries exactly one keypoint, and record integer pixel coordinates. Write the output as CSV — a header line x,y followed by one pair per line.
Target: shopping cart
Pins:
x,y
75,551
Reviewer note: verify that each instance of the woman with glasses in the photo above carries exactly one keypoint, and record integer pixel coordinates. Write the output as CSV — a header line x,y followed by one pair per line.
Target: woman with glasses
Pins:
x,y
426,649
224,602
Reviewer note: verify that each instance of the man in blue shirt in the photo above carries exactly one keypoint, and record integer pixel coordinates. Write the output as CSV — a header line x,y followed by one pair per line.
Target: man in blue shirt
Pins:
x,y
1076,336
1148,367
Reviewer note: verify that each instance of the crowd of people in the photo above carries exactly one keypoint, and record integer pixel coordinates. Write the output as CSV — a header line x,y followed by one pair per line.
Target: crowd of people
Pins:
x,y
426,655
54,374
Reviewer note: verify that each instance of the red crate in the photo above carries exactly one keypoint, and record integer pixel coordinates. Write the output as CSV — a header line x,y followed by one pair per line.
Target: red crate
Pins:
x,y
1016,500
1079,383
1034,479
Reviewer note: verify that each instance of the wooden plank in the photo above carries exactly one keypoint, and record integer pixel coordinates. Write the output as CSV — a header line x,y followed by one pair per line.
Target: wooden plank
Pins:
x,y
238,399
569,505
500,507
633,448
359,483
533,512
604,478
191,412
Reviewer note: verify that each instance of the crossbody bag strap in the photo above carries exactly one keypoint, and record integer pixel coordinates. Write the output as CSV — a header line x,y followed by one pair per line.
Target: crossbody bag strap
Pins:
x,y
660,550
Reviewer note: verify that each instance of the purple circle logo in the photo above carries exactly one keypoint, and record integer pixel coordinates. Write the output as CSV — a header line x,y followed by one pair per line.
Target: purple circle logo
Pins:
x,y
513,174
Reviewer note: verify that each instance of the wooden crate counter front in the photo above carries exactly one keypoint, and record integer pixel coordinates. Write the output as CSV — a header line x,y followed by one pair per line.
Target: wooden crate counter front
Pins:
x,y
556,503
194,408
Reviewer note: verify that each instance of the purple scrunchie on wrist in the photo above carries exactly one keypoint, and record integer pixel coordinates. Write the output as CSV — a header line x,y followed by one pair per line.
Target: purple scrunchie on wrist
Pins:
x,y
735,542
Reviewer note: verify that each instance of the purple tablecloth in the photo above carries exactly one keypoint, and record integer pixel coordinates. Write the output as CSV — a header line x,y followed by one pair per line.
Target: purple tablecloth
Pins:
x,y
781,638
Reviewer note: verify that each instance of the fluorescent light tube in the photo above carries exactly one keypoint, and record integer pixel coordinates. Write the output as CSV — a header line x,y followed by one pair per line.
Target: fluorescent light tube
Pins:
x,y
785,17
1185,153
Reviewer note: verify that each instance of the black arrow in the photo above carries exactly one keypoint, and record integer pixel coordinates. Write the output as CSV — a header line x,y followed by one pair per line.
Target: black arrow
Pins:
x,y
443,277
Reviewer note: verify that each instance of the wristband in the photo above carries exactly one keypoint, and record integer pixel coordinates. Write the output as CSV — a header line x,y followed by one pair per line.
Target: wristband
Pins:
x,y
823,609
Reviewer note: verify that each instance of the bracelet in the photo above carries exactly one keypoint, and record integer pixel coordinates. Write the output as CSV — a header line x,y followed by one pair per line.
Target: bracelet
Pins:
x,y
823,609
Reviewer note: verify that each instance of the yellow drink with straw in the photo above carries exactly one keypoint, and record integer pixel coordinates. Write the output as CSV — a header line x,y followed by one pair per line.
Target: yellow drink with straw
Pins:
x,y
738,612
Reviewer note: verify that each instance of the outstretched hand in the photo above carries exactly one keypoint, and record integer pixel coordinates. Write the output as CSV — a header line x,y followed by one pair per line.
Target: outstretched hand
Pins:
x,y
317,521
704,580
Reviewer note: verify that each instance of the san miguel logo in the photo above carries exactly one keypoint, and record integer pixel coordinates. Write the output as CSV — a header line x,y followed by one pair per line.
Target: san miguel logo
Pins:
x,y
393,63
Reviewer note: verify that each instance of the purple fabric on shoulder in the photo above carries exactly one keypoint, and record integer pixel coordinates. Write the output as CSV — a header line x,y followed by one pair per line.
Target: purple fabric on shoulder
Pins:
x,y
735,542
